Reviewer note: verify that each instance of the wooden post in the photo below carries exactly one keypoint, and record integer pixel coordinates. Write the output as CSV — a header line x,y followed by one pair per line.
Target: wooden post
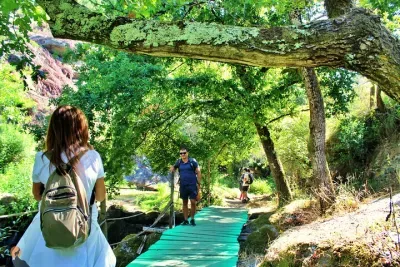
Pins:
x,y
171,209
209,184
103,217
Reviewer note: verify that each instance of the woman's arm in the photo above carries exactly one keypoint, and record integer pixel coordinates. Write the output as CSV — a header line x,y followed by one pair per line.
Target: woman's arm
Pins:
x,y
36,188
100,189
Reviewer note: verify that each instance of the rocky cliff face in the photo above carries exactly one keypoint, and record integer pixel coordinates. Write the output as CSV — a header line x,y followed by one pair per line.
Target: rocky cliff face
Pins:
x,y
54,74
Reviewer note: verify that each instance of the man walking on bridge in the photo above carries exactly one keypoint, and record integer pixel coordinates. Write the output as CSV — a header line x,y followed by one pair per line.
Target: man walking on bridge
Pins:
x,y
189,180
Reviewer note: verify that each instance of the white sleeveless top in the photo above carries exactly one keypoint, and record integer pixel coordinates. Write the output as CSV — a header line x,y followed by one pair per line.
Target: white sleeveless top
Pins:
x,y
90,168
95,252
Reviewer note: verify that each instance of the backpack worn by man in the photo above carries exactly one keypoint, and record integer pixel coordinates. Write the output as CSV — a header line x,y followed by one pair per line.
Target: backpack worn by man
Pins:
x,y
191,160
247,179
65,214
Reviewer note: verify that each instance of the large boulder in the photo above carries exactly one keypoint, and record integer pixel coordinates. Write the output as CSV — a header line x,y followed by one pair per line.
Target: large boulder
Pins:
x,y
257,242
6,199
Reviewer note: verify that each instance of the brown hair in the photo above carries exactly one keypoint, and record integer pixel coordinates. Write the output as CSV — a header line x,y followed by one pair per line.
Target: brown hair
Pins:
x,y
67,132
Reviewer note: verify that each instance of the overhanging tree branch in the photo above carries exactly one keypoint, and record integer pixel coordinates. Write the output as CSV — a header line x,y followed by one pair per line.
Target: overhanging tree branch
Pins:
x,y
356,41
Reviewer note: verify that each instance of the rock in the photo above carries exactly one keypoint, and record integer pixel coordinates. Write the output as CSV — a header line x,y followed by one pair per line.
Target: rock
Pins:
x,y
258,240
6,199
261,220
117,230
258,214
126,252
54,46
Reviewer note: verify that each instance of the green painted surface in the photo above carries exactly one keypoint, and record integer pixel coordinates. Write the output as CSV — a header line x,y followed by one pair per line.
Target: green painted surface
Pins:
x,y
212,242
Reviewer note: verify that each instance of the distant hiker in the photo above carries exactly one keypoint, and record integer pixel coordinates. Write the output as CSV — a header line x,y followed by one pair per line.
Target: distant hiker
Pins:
x,y
189,182
65,232
246,180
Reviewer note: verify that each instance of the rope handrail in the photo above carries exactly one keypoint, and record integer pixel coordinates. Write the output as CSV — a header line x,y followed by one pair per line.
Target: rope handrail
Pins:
x,y
17,214
120,218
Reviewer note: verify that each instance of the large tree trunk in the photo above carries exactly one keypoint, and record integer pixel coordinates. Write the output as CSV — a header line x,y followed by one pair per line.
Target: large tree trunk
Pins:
x,y
323,180
380,105
321,173
274,164
336,8
372,97
356,41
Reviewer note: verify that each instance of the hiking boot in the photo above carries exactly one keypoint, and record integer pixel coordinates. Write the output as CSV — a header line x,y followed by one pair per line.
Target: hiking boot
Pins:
x,y
185,222
192,222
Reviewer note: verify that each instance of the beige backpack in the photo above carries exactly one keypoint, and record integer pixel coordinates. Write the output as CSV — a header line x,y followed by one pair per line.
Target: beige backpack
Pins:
x,y
65,214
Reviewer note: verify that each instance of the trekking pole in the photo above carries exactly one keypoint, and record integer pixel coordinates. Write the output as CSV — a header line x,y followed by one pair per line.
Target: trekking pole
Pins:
x,y
171,209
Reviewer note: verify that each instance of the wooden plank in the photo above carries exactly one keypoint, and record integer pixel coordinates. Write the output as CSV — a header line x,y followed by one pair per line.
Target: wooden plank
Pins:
x,y
153,230
205,241
213,248
184,263
155,252
212,242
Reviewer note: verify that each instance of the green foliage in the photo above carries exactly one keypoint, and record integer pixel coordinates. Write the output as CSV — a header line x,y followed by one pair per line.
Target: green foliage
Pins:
x,y
14,103
140,108
262,187
357,137
291,137
16,180
12,145
155,201
16,160
16,17
337,87
16,146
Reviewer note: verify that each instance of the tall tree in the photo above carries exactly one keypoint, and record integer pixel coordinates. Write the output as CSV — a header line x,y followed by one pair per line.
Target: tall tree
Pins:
x,y
322,178
250,81
357,41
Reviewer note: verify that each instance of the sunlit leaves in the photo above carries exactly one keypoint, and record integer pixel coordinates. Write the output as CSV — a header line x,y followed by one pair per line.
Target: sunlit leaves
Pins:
x,y
16,17
337,87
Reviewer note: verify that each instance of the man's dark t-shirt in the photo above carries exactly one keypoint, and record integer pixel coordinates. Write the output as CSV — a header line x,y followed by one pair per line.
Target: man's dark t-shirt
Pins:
x,y
187,172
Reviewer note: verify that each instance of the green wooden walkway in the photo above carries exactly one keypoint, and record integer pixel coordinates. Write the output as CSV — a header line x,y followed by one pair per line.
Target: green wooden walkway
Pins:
x,y
212,242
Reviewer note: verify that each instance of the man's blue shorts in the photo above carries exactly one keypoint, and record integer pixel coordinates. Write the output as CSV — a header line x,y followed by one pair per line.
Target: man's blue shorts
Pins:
x,y
188,191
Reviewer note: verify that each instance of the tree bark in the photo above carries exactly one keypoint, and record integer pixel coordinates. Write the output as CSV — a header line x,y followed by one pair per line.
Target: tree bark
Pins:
x,y
372,97
336,8
275,165
356,41
380,105
321,174
323,180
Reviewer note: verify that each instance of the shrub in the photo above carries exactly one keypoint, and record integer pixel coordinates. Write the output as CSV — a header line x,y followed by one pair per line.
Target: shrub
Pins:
x,y
262,186
17,181
16,160
14,145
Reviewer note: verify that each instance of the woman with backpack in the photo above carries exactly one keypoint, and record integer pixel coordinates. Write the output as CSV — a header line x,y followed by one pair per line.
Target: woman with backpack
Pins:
x,y
65,232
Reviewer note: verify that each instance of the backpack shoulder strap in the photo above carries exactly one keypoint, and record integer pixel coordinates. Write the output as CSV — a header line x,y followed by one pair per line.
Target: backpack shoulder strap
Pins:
x,y
191,164
77,157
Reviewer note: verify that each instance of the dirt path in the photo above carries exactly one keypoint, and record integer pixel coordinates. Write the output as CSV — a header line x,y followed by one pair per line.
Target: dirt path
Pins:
x,y
257,204
339,229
